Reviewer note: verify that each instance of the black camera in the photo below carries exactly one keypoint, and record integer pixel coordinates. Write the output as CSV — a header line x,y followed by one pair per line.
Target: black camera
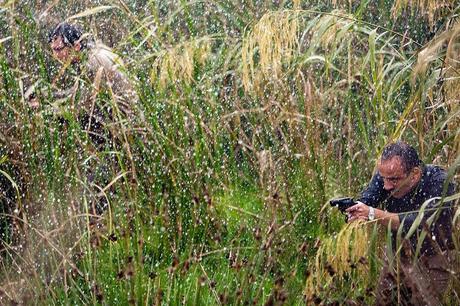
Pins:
x,y
343,203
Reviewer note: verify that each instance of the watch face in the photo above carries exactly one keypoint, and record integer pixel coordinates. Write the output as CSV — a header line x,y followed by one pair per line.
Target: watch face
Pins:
x,y
371,215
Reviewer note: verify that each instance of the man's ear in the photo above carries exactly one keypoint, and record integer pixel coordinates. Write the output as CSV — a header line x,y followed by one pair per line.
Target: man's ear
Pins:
x,y
417,174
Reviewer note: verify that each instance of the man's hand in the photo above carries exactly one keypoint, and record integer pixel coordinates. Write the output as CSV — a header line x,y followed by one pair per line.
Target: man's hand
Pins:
x,y
359,211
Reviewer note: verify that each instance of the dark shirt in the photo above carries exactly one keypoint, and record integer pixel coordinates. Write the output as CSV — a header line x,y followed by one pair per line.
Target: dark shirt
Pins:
x,y
432,184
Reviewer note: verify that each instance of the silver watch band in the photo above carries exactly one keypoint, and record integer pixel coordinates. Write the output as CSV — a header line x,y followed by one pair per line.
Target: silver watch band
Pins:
x,y
371,215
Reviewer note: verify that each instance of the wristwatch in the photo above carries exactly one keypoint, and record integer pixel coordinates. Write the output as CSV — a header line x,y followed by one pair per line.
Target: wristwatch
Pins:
x,y
371,215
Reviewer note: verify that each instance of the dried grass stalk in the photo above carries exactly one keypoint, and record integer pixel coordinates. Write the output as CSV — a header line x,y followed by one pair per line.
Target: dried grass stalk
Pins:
x,y
340,255
445,47
430,8
272,42
178,63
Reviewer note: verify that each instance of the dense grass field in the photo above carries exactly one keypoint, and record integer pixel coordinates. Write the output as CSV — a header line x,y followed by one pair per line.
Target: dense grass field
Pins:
x,y
251,116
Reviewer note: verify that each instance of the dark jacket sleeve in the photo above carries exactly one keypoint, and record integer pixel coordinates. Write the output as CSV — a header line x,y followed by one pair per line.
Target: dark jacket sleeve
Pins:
x,y
374,194
441,229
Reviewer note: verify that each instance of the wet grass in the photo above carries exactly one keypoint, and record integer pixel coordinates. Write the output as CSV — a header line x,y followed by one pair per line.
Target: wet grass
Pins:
x,y
219,188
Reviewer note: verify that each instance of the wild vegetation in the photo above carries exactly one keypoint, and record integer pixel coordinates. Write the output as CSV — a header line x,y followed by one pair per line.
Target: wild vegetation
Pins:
x,y
252,115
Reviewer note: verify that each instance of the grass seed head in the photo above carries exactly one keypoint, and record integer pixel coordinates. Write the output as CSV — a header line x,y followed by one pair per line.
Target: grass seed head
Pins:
x,y
335,254
178,63
274,40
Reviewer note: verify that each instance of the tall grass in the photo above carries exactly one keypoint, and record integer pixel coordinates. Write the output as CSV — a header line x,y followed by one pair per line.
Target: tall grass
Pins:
x,y
249,121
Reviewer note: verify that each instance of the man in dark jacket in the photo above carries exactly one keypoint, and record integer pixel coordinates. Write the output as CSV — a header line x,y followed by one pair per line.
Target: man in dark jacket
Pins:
x,y
408,194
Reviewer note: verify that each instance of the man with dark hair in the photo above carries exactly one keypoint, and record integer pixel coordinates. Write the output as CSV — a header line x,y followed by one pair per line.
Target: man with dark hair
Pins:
x,y
401,188
64,38
407,153
92,85
70,33
94,60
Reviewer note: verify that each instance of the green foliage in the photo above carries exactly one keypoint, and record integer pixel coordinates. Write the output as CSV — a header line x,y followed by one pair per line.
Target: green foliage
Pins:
x,y
217,191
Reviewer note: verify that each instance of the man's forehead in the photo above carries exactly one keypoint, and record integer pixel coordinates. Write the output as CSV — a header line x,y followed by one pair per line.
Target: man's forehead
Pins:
x,y
392,164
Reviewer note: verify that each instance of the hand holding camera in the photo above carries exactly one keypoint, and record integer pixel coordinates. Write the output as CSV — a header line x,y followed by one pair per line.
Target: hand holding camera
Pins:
x,y
353,210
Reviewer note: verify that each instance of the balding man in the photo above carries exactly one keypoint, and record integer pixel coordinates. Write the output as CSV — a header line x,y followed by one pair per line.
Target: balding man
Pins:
x,y
394,197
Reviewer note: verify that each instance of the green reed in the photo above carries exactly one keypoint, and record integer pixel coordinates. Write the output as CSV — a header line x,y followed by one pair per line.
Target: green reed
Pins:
x,y
221,194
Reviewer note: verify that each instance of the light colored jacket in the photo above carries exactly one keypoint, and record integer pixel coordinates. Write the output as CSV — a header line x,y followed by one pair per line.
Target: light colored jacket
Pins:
x,y
107,70
103,69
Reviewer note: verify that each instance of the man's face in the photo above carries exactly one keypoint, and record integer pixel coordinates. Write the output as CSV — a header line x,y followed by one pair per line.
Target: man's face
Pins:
x,y
395,179
61,51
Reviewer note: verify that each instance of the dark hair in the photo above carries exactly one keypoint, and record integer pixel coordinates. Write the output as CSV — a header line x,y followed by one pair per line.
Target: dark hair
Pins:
x,y
407,153
70,34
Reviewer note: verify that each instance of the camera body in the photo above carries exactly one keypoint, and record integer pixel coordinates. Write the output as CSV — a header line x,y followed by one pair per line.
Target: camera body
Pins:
x,y
343,203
